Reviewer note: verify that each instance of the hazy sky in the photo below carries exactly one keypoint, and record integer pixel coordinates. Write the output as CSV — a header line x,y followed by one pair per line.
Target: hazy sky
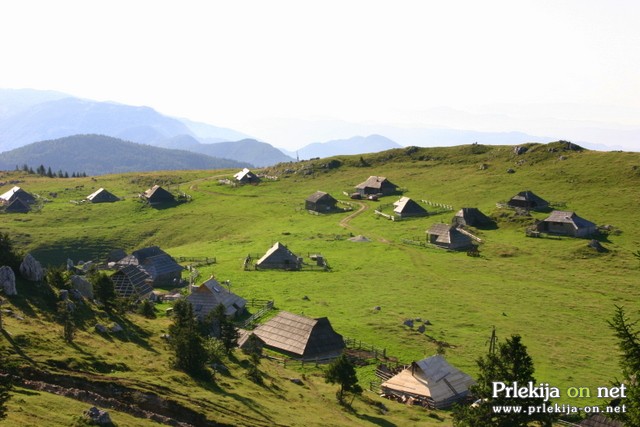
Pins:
x,y
241,63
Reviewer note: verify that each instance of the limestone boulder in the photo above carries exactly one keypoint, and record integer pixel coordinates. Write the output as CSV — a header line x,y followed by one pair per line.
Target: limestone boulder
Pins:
x,y
8,280
83,286
97,416
31,269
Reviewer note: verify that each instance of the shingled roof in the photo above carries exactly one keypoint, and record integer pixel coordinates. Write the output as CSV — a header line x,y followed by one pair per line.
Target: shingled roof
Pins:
x,y
448,236
301,336
278,256
432,379
206,297
408,207
17,193
102,196
157,194
471,216
132,280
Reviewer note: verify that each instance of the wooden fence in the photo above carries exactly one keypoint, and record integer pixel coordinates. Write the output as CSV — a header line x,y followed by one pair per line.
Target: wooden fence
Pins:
x,y
267,307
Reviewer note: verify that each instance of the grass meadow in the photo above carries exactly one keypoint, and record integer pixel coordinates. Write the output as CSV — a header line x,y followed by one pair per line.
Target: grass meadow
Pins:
x,y
555,292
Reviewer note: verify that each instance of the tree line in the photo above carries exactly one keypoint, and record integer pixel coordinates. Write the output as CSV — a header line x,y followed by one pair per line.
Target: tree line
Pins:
x,y
42,171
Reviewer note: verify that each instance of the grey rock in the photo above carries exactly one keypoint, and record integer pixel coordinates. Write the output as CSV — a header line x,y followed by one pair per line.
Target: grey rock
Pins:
x,y
409,323
8,280
101,328
97,416
31,269
116,328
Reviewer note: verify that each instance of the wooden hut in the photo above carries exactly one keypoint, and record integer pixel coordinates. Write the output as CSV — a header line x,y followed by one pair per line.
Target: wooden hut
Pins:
x,y
132,281
245,176
300,337
472,217
448,237
406,207
209,295
102,196
17,193
157,195
528,200
376,185
320,202
567,223
163,270
17,206
432,382
279,257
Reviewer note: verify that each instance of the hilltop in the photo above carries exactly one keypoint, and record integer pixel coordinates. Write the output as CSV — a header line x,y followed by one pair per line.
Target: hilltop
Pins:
x,y
555,292
99,155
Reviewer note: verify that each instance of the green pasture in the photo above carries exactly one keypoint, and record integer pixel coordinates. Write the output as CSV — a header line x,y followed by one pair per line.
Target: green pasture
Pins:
x,y
555,292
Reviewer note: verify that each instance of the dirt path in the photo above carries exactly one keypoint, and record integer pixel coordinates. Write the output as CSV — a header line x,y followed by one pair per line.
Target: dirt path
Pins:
x,y
346,220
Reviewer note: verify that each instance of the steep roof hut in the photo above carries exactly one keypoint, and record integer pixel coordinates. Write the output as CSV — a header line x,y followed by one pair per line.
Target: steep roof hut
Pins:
x,y
432,381
17,193
132,281
245,176
279,257
406,207
320,202
528,200
158,264
472,217
17,206
376,185
158,195
102,196
567,223
448,237
209,295
301,337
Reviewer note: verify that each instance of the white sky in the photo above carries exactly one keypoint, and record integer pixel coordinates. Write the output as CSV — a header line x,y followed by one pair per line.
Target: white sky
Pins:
x,y
240,63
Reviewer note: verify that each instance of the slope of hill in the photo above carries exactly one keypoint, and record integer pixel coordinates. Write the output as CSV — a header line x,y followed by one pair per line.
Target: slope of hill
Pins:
x,y
255,152
354,145
99,154
556,292
13,101
208,133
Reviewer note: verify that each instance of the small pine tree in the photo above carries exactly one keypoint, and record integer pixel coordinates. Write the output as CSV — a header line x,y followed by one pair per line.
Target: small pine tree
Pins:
x,y
186,341
103,289
49,172
147,309
67,317
341,371
55,278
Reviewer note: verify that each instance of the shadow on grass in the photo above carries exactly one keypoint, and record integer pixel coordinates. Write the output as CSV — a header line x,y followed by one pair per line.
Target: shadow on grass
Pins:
x,y
130,333
375,420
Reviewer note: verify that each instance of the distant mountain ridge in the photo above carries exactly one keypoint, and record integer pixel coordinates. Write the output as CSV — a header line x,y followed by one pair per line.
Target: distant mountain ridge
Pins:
x,y
353,145
28,116
100,154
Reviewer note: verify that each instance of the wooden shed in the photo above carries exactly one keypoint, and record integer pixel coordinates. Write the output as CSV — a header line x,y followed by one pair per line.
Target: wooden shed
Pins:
x,y
17,193
472,217
132,281
567,223
376,185
17,206
320,202
448,237
209,295
157,195
432,382
406,207
102,196
245,176
528,200
300,337
279,257
163,270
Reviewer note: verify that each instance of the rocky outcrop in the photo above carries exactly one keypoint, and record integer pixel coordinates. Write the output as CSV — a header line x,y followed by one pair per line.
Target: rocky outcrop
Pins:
x,y
31,269
97,416
83,286
8,281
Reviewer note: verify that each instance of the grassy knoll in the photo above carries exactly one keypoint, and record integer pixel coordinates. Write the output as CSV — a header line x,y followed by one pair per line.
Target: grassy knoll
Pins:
x,y
556,293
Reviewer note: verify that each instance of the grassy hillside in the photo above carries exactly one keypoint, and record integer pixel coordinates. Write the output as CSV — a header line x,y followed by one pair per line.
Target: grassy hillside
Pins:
x,y
556,293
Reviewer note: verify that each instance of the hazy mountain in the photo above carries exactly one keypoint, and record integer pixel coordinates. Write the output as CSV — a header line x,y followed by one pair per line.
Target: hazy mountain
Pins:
x,y
354,145
207,133
99,154
13,101
255,152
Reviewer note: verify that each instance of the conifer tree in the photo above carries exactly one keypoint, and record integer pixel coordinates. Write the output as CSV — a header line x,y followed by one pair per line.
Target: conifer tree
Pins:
x,y
341,371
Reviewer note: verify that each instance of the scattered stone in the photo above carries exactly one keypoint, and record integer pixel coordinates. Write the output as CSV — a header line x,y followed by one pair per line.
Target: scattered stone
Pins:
x,y
8,280
562,158
97,416
116,328
306,298
69,264
520,150
422,328
82,285
64,295
427,322
31,269
377,308
101,328
484,167
510,171
359,238
409,323
296,381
